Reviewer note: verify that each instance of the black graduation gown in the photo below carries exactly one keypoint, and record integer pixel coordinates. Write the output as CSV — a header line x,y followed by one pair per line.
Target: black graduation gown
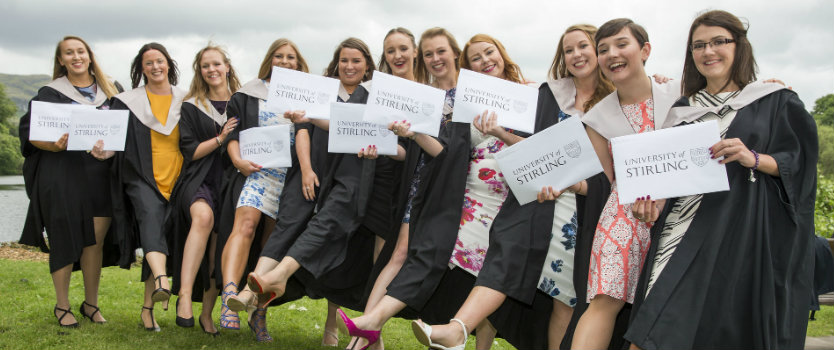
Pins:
x,y
244,107
195,127
66,190
741,277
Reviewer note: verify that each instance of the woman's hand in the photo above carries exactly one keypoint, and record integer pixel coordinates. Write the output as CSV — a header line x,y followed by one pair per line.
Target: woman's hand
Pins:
x,y
228,127
661,79
246,167
487,124
368,152
647,210
309,182
297,117
548,194
402,129
733,150
99,153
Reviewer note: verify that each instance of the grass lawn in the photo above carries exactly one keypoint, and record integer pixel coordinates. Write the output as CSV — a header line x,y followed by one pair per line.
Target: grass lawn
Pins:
x,y
26,320
824,324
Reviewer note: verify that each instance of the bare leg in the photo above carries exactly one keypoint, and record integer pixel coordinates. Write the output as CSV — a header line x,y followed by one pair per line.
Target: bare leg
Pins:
x,y
390,270
202,221
156,261
331,326
275,280
484,335
147,320
597,323
210,296
378,244
91,266
559,320
480,303
61,281
236,251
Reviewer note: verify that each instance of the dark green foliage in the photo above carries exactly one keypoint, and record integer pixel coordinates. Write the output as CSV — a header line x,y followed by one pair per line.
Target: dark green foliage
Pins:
x,y
11,162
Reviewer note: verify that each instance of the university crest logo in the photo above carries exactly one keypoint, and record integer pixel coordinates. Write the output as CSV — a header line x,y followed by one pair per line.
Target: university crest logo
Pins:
x,y
427,108
573,149
114,129
519,106
277,145
699,156
322,98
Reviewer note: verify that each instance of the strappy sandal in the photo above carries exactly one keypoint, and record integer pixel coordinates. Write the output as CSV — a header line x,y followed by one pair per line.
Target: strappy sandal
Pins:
x,y
423,333
90,316
257,323
329,335
64,314
161,294
228,318
153,327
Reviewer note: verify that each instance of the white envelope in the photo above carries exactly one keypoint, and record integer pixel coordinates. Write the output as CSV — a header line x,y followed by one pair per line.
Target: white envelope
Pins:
x,y
87,126
668,163
558,156
349,132
396,99
514,104
267,146
291,90
49,121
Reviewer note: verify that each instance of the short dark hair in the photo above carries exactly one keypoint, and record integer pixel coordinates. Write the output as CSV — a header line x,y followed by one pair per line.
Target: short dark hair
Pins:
x,y
744,68
136,67
614,26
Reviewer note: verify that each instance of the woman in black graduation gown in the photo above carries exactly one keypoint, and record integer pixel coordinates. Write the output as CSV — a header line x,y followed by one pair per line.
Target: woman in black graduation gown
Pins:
x,y
734,269
332,261
250,198
69,194
443,212
148,168
521,234
203,128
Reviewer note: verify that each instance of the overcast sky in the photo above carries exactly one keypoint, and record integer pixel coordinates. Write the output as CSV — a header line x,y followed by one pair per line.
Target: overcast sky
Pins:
x,y
792,40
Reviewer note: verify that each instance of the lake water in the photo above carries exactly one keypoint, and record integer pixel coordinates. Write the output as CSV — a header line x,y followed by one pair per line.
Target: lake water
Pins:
x,y
13,205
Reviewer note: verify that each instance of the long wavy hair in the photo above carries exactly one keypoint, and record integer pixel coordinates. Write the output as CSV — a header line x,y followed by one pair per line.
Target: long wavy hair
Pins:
x,y
199,89
103,81
136,74
332,69
559,67
421,72
265,72
512,71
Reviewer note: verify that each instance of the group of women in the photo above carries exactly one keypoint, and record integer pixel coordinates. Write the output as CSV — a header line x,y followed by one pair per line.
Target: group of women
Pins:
x,y
434,233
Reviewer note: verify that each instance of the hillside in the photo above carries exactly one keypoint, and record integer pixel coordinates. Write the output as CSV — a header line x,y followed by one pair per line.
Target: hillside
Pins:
x,y
21,88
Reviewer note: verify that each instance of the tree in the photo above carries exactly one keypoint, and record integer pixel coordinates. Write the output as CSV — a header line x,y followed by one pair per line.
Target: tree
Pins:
x,y
11,162
823,111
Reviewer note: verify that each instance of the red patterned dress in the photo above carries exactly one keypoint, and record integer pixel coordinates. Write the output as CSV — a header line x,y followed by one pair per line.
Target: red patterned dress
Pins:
x,y
621,241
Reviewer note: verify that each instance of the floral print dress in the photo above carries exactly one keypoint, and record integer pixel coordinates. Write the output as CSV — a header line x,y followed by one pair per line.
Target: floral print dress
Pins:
x,y
621,241
557,275
262,188
486,190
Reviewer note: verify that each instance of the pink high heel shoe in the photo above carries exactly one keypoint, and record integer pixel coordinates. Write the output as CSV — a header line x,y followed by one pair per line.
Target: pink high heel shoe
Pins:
x,y
347,326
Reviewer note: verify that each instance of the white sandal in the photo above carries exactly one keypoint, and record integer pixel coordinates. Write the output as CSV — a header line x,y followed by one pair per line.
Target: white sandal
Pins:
x,y
423,333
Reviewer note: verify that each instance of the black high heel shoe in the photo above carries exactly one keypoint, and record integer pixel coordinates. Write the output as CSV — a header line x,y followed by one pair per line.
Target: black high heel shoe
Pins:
x,y
96,310
65,312
152,328
161,294
183,322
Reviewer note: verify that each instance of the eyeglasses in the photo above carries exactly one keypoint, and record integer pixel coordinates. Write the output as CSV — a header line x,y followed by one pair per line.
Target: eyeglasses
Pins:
x,y
699,46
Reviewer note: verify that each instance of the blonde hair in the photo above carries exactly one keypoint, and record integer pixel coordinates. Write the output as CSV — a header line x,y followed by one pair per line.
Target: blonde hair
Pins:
x,y
512,71
421,72
101,79
383,64
266,66
199,89
559,68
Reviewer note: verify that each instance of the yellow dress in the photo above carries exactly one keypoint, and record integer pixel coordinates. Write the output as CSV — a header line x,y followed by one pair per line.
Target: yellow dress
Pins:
x,y
165,149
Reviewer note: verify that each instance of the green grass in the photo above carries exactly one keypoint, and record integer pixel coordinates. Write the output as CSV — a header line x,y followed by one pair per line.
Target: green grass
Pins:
x,y
824,325
26,320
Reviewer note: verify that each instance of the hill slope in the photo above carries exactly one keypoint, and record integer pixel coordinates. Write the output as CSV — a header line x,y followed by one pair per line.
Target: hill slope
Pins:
x,y
21,88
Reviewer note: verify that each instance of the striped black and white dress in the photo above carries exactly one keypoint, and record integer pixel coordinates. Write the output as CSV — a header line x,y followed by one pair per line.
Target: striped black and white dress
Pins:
x,y
684,208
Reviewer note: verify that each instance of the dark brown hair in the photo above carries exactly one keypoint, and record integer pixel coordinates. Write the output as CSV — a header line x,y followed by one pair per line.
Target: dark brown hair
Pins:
x,y
614,26
265,72
421,72
511,70
332,69
743,70
383,64
136,68
559,68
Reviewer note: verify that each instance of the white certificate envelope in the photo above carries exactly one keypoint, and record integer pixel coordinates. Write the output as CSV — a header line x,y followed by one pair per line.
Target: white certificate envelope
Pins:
x,y
396,99
668,163
49,121
349,132
514,104
558,156
291,90
267,146
90,125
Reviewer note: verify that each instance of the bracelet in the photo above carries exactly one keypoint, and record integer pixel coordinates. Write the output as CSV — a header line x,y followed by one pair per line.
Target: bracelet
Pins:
x,y
755,166
217,138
